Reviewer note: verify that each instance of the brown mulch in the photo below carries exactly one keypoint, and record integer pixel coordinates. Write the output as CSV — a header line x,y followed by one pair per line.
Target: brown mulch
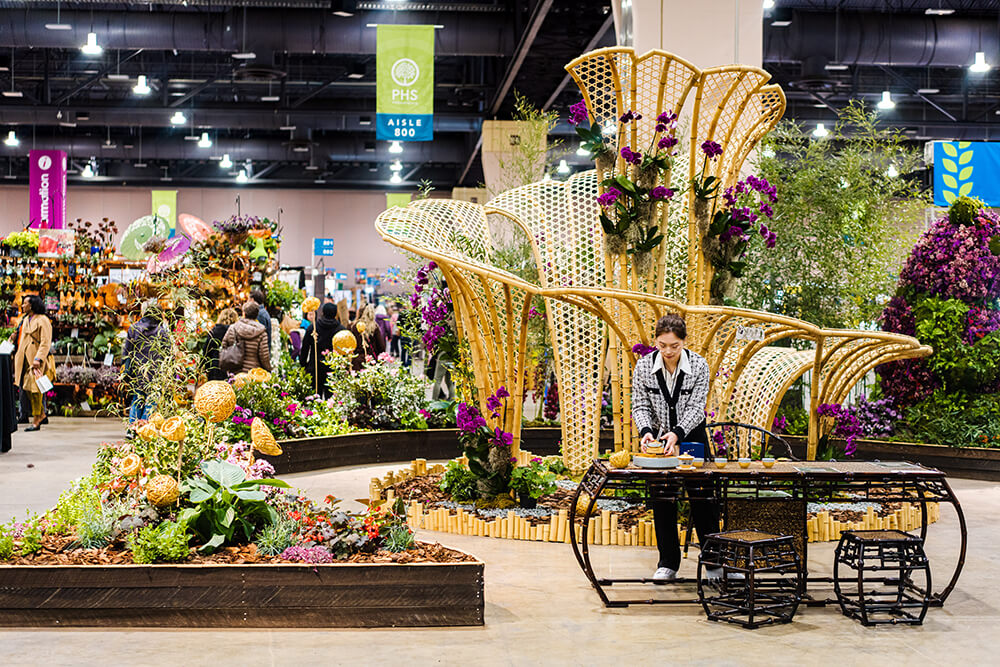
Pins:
x,y
425,489
54,552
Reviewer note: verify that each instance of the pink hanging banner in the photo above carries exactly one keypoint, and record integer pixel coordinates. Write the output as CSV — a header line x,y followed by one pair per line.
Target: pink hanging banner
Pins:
x,y
47,189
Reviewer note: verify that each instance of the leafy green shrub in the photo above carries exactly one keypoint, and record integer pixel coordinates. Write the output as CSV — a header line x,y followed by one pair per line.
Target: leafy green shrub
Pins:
x,y
555,464
277,536
32,533
963,211
376,397
533,479
399,538
167,542
6,541
81,499
796,421
956,419
459,482
95,526
228,507
282,295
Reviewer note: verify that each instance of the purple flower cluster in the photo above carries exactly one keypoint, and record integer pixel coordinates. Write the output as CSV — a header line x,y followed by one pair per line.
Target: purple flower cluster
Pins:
x,y
436,313
660,192
502,438
307,554
468,418
955,261
711,149
980,322
610,196
630,156
666,120
877,419
846,426
770,238
780,424
629,116
493,403
641,349
578,113
734,232
666,143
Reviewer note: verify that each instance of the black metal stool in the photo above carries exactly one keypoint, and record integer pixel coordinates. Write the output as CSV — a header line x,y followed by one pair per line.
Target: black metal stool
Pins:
x,y
761,579
884,564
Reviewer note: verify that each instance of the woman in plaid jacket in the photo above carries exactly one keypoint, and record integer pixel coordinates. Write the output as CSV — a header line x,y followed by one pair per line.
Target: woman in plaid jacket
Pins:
x,y
669,392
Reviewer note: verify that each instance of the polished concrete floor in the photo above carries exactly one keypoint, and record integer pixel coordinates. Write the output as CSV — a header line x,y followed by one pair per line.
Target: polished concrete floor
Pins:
x,y
540,610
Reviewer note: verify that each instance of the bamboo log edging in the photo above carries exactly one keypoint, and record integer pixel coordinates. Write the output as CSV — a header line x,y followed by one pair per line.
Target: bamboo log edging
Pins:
x,y
603,526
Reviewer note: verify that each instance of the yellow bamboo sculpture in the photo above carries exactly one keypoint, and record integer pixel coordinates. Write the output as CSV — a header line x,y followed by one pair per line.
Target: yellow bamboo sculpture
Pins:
x,y
598,303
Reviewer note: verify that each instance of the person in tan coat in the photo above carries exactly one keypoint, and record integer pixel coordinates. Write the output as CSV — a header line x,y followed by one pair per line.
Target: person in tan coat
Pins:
x,y
251,335
33,337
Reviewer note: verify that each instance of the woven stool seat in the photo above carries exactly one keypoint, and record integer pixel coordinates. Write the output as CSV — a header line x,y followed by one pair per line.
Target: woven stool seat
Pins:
x,y
761,580
882,576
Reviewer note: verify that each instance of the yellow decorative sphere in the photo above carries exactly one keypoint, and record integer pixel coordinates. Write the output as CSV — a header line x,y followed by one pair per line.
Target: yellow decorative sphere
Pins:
x,y
156,420
174,429
581,505
240,380
262,438
131,465
361,326
148,431
259,375
620,459
215,400
162,490
344,342
310,304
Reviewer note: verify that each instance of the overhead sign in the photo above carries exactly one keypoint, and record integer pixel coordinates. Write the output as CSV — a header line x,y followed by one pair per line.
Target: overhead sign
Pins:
x,y
360,276
165,206
47,189
966,168
404,63
341,276
323,247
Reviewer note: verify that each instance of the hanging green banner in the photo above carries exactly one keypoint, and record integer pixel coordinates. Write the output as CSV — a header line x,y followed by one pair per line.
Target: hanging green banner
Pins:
x,y
396,199
404,105
165,206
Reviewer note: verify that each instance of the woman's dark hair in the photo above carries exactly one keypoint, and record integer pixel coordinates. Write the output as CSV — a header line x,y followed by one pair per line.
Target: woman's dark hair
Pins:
x,y
36,304
251,310
330,311
258,296
671,323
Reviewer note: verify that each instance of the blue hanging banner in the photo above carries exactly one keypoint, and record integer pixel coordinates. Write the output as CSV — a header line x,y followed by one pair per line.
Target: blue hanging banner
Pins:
x,y
966,169
323,247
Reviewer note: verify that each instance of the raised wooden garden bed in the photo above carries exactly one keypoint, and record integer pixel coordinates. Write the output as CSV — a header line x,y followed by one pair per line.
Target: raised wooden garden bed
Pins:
x,y
259,596
397,446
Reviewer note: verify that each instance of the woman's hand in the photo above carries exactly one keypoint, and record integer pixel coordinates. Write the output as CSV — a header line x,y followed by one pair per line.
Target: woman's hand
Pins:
x,y
670,446
646,439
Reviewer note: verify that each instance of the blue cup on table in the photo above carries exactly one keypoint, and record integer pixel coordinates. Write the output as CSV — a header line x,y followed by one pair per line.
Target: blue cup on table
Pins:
x,y
695,449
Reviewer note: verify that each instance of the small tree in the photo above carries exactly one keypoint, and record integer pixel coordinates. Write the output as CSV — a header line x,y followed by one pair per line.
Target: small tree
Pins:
x,y
844,221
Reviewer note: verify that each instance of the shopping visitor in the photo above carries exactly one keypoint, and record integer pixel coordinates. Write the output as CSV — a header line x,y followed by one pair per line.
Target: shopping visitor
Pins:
x,y
249,335
33,337
343,314
146,345
371,342
263,316
227,317
315,346
669,391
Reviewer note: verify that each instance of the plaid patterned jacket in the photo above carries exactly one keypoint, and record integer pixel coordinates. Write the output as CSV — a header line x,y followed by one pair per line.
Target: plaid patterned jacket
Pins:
x,y
653,405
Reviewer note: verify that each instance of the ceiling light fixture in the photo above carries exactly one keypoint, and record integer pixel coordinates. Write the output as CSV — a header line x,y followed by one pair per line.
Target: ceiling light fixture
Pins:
x,y
928,91
835,67
980,65
243,53
563,167
92,48
341,13
396,166
547,177
270,98
141,87
12,139
781,23
395,147
13,93
930,11
609,128
225,162
242,176
58,25
886,101
768,4
205,141
89,171
820,131
396,179
583,152
178,118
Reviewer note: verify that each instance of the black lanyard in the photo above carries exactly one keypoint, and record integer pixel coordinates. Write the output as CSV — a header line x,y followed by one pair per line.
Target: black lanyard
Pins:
x,y
671,400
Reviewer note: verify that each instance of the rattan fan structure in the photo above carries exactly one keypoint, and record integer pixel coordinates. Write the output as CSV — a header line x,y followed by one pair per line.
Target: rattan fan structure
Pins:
x,y
597,303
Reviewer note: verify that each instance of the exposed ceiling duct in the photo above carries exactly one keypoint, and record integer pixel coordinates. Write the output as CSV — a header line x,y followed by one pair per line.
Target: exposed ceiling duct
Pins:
x,y
881,39
267,30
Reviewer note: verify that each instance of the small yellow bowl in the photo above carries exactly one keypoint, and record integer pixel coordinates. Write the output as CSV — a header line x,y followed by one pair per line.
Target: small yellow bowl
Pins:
x,y
768,463
744,463
685,460
697,463
721,463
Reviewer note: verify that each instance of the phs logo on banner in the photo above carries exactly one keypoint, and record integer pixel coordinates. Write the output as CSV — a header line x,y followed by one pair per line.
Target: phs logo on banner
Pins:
x,y
405,83
966,168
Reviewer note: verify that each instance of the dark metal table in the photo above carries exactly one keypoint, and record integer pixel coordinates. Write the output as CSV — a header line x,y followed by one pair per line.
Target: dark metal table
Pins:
x,y
804,481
